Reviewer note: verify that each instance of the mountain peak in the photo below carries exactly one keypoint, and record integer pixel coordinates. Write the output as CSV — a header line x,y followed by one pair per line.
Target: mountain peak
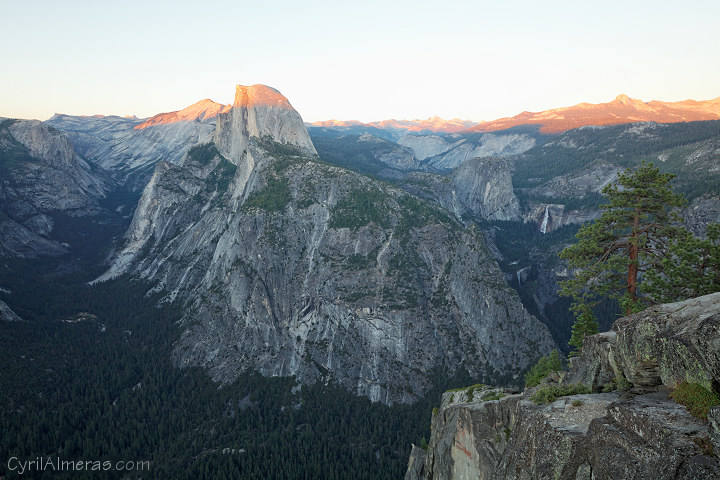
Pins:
x,y
259,111
200,111
259,95
624,99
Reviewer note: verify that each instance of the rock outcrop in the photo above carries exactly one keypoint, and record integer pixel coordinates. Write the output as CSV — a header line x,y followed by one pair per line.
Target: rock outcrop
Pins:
x,y
640,433
576,184
425,146
483,189
291,266
669,344
260,112
480,189
7,315
394,157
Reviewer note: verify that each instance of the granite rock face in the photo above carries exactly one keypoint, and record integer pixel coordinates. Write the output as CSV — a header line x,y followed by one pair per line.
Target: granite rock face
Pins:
x,y
483,189
640,433
480,188
580,437
260,112
41,176
130,147
290,266
469,435
671,343
448,152
395,157
549,216
594,368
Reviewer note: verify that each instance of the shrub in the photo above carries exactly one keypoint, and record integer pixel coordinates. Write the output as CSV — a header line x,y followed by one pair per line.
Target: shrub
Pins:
x,y
696,398
543,368
622,383
491,395
550,393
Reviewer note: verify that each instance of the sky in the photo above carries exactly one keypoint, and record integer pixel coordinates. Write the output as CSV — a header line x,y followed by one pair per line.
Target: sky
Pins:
x,y
365,60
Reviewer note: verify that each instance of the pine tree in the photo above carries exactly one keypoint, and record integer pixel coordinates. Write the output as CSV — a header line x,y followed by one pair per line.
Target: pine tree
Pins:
x,y
584,326
631,235
690,269
542,368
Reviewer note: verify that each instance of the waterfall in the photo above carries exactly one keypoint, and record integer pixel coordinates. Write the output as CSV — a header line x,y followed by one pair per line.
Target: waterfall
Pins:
x,y
543,227
518,277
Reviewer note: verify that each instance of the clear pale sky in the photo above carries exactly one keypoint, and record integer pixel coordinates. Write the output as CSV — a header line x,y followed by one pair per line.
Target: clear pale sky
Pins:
x,y
366,60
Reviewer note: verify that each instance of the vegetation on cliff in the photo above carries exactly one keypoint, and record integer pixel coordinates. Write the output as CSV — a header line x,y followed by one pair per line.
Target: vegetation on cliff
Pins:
x,y
637,241
696,398
545,366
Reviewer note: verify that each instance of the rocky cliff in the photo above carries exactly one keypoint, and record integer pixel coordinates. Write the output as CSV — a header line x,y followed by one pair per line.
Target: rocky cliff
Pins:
x,y
291,266
41,176
480,189
637,433
448,152
549,217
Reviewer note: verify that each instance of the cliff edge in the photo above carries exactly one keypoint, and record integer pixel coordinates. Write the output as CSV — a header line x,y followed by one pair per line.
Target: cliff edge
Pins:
x,y
627,427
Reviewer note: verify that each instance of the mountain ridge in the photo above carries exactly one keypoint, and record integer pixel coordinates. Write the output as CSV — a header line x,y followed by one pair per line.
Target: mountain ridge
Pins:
x,y
202,110
622,109
432,124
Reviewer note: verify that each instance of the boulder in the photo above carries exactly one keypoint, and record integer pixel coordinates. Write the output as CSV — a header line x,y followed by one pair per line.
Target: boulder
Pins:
x,y
593,368
671,343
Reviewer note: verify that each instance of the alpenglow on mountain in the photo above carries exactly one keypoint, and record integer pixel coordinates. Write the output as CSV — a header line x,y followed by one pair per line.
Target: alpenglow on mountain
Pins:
x,y
290,266
622,109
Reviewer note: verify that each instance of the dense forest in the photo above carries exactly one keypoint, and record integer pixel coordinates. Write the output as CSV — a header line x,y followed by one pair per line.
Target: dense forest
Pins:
x,y
89,376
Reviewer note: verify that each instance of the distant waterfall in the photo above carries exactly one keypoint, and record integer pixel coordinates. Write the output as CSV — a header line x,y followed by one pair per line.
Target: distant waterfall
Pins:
x,y
543,226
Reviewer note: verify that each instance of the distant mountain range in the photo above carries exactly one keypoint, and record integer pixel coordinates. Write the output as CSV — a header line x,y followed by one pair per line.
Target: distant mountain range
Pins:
x,y
433,124
622,109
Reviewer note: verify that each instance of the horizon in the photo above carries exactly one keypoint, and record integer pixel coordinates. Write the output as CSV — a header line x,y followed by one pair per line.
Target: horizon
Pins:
x,y
374,62
348,120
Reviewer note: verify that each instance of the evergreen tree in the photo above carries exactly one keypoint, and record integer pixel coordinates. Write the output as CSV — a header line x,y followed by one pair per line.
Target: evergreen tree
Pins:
x,y
543,368
631,235
690,269
584,326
